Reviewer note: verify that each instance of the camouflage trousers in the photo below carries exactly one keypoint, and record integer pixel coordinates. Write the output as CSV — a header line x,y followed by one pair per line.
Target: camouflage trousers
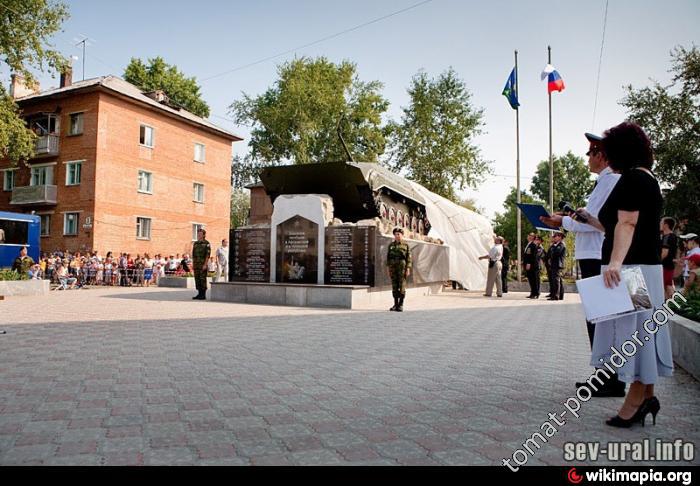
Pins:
x,y
398,278
200,278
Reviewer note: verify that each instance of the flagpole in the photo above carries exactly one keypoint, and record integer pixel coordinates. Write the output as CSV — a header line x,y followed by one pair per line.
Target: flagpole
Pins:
x,y
517,166
551,160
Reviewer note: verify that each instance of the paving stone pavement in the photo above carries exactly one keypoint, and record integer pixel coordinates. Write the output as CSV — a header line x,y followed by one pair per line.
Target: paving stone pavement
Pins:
x,y
147,376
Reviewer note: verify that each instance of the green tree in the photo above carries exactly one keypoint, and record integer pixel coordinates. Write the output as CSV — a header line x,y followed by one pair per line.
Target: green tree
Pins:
x,y
25,28
572,180
505,224
298,118
240,208
434,142
671,117
159,75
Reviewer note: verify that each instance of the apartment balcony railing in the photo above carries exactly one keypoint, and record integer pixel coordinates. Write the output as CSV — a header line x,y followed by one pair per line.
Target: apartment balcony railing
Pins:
x,y
33,195
46,146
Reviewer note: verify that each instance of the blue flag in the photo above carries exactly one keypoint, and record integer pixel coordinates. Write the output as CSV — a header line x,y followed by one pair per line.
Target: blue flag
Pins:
x,y
510,91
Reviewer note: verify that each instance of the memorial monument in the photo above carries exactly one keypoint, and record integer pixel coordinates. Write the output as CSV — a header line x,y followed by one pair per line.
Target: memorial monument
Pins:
x,y
319,235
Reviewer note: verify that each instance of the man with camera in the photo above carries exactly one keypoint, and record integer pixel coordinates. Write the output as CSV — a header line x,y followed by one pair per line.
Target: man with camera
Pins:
x,y
589,240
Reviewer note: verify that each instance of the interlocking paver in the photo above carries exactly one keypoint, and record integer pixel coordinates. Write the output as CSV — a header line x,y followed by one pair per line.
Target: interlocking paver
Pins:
x,y
173,383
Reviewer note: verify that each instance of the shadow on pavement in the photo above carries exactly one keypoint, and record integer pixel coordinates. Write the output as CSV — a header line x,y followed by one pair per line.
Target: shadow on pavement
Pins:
x,y
171,296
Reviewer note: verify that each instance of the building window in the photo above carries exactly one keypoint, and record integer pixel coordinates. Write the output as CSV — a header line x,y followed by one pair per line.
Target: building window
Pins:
x,y
145,182
8,179
73,173
196,227
76,124
198,192
143,228
42,176
70,224
146,136
199,152
45,224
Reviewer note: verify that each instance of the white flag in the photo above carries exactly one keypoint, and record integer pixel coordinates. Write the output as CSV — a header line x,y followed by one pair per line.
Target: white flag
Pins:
x,y
545,72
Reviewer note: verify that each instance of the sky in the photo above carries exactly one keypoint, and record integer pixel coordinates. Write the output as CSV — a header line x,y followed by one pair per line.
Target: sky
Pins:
x,y
476,38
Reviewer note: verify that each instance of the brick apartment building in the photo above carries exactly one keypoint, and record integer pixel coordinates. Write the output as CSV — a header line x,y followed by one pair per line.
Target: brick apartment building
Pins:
x,y
118,170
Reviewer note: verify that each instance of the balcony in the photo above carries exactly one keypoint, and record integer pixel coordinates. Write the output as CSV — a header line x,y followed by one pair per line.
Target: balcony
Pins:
x,y
34,195
46,146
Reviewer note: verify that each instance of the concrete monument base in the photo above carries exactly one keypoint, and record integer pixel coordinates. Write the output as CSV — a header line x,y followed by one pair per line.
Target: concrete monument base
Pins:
x,y
312,295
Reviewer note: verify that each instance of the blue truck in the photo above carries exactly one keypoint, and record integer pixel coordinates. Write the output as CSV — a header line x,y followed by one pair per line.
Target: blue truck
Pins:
x,y
18,230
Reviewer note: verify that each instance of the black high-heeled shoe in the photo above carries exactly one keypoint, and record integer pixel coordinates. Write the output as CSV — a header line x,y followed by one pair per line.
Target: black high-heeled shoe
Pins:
x,y
638,416
652,406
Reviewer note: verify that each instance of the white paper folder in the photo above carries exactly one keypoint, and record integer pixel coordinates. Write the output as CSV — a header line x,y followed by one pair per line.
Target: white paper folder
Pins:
x,y
601,303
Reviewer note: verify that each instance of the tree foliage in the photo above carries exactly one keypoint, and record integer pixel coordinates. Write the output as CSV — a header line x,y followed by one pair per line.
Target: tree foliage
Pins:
x,y
297,119
572,180
240,208
671,117
25,28
159,75
434,142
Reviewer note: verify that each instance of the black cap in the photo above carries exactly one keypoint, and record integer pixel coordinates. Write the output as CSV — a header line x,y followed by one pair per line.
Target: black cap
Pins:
x,y
592,137
397,230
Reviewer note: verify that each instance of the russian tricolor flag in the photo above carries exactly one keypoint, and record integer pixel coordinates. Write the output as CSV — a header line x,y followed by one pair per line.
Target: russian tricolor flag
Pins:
x,y
554,81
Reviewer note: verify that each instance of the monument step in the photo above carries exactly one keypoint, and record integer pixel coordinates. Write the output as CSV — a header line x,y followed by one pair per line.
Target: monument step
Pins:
x,y
311,295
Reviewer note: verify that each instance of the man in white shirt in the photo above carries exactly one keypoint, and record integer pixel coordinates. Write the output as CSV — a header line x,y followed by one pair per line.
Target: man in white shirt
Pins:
x,y
222,261
495,266
589,240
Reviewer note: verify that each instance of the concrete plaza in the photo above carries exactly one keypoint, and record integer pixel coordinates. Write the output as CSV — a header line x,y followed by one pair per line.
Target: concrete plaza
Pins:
x,y
148,376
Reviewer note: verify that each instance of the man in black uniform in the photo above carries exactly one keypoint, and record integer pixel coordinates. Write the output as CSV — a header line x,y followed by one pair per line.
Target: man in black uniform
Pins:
x,y
529,263
555,257
505,261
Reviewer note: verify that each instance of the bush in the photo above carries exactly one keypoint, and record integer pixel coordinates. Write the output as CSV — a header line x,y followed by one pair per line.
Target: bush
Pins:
x,y
691,309
11,275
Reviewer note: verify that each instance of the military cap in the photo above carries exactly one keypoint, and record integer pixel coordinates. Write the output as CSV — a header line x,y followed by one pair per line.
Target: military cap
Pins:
x,y
397,230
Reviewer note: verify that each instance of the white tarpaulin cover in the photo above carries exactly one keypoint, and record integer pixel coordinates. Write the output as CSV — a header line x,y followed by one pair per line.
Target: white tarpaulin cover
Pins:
x,y
468,234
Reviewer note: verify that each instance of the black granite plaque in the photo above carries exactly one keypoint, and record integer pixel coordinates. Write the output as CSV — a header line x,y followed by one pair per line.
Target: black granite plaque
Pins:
x,y
297,251
349,255
251,255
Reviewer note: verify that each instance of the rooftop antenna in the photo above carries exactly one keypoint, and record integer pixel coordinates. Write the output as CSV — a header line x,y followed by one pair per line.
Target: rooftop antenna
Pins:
x,y
342,140
85,41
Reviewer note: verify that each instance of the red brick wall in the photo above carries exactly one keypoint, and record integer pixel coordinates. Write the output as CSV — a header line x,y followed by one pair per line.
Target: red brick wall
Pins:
x,y
108,190
70,198
260,206
171,161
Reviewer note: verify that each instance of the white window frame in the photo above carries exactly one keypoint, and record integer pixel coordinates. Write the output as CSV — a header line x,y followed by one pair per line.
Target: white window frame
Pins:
x,y
149,185
153,136
65,223
81,124
70,164
5,178
140,228
42,226
195,192
195,229
43,166
203,158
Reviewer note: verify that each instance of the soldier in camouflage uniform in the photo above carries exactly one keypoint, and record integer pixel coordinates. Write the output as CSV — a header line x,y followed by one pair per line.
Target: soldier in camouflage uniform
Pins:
x,y
398,264
23,263
201,251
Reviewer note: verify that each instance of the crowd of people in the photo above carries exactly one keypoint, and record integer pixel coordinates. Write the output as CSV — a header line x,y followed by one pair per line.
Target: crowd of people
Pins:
x,y
74,270
535,258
